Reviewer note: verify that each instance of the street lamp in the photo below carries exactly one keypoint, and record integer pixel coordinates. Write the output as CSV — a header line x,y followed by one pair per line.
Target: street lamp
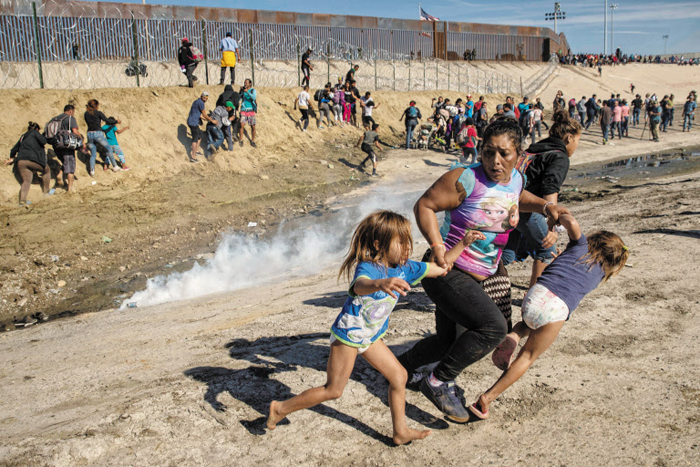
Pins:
x,y
558,14
613,7
605,29
665,38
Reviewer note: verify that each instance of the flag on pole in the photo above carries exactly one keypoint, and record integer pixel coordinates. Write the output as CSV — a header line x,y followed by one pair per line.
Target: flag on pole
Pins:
x,y
426,17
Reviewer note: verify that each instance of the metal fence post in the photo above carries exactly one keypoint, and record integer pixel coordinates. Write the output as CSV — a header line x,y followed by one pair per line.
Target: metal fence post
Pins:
x,y
252,56
204,46
409,74
298,64
328,61
375,70
36,45
423,76
448,75
437,76
136,49
393,64
459,79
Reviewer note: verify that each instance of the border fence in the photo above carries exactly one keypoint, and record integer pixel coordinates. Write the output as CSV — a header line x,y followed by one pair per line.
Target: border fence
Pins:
x,y
62,44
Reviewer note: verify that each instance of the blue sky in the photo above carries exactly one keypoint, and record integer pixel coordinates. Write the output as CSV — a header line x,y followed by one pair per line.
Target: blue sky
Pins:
x,y
639,24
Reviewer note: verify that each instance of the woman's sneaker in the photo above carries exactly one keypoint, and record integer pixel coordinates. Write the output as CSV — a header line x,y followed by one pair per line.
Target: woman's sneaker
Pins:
x,y
445,399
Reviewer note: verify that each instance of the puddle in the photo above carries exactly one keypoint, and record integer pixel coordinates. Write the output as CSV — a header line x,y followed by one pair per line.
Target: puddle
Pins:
x,y
633,169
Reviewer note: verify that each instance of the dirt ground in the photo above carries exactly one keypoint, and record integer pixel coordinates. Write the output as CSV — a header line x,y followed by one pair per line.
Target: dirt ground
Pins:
x,y
189,382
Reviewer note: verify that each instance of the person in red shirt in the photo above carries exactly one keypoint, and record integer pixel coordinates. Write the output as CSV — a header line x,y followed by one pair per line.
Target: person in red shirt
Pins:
x,y
478,104
469,145
509,100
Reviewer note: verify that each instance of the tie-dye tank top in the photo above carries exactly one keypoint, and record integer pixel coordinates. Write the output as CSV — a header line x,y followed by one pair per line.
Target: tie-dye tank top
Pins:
x,y
491,208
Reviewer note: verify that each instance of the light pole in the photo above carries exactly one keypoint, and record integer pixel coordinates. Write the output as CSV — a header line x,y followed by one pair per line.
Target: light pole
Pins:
x,y
558,14
605,29
613,7
665,38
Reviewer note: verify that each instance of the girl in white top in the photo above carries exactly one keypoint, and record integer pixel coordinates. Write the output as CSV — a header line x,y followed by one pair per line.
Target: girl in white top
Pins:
x,y
304,101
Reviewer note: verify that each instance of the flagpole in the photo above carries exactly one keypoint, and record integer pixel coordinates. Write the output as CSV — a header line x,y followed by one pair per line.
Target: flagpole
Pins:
x,y
420,17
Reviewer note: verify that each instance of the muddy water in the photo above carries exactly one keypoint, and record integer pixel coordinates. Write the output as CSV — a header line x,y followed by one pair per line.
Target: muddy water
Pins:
x,y
635,169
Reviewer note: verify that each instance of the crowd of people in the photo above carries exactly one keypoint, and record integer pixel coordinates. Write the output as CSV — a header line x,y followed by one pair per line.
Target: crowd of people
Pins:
x,y
618,58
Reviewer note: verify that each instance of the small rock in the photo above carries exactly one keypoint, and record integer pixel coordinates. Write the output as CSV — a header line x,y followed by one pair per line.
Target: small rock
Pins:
x,y
264,177
296,166
122,268
61,284
323,162
330,166
54,259
22,302
83,258
64,222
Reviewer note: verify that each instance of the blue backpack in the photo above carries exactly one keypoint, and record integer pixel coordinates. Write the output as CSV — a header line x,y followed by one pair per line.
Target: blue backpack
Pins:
x,y
412,112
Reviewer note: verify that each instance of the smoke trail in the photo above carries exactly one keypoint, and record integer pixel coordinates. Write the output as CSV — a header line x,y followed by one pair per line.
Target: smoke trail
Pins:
x,y
241,261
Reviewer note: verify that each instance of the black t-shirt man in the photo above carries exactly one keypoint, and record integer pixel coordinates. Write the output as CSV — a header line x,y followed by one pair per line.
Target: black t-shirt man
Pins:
x,y
305,63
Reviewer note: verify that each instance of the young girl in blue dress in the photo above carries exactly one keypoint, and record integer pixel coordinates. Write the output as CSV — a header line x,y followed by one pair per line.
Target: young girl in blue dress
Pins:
x,y
584,264
379,252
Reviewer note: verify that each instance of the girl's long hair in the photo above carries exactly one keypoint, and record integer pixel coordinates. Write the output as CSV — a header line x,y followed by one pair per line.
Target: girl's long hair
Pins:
x,y
382,227
92,106
608,250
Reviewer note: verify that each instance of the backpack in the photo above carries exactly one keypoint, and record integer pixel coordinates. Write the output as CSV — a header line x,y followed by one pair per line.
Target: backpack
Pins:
x,y
452,109
59,137
196,54
524,162
318,95
461,138
336,97
412,112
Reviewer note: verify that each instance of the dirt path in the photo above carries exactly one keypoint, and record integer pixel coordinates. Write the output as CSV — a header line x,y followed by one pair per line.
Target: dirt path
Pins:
x,y
189,382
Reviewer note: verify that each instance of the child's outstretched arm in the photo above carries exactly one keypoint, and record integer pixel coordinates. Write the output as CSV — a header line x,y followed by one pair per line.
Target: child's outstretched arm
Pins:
x,y
569,223
391,286
451,256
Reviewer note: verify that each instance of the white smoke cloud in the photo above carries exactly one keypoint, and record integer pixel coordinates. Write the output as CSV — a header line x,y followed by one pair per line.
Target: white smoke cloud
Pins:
x,y
241,261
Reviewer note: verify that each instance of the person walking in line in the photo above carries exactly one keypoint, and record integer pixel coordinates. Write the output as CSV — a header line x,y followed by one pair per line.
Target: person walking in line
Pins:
x,y
354,97
350,75
655,113
194,119
215,132
367,140
303,100
306,66
665,113
324,106
559,103
249,107
187,62
689,112
96,137
591,111
338,104
347,105
616,120
671,109
636,109
581,109
537,124
230,55
230,131
540,105
625,118
647,107
29,157
111,133
368,105
67,123
411,116
605,121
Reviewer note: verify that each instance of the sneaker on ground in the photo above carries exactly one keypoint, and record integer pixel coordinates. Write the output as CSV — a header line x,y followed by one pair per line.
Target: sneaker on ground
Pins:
x,y
116,168
240,143
92,173
445,399
320,127
126,167
252,143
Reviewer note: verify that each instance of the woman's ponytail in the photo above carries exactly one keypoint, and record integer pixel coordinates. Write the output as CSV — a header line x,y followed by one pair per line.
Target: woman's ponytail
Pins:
x,y
564,125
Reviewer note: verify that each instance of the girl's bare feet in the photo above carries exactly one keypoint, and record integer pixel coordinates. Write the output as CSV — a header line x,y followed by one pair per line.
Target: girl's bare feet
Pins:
x,y
503,354
274,416
409,435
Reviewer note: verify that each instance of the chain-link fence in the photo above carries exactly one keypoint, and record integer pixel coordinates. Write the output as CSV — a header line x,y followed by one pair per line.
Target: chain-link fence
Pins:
x,y
78,45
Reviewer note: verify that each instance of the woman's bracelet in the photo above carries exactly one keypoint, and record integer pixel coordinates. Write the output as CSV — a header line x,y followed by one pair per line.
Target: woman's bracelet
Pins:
x,y
438,244
544,208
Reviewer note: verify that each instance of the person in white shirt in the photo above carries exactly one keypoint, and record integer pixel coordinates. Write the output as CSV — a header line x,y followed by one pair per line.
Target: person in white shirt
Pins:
x,y
229,56
304,102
